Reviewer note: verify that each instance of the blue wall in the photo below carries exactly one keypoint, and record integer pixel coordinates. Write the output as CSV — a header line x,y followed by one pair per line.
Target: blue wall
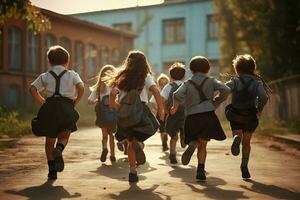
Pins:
x,y
150,39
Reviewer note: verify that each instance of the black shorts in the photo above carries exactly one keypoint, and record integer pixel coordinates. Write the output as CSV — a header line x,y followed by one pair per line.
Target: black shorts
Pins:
x,y
174,123
250,126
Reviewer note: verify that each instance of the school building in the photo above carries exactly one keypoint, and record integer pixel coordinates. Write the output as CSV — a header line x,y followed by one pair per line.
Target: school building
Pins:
x,y
23,54
175,30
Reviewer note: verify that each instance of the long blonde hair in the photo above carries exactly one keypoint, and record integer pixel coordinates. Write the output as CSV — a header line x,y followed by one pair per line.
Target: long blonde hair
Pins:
x,y
100,85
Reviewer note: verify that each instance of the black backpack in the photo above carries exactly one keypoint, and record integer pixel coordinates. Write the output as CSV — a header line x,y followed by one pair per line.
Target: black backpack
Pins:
x,y
174,87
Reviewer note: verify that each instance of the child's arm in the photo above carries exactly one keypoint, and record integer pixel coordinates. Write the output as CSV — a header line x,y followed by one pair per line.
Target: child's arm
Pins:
x,y
174,107
112,98
224,91
92,99
80,91
36,95
154,90
178,97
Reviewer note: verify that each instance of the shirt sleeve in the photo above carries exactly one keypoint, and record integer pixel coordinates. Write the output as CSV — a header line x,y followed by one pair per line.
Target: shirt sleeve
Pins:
x,y
93,96
180,93
224,91
38,83
76,78
262,97
149,81
166,91
230,84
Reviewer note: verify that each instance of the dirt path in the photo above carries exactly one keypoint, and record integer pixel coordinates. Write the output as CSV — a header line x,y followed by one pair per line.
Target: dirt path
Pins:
x,y
23,173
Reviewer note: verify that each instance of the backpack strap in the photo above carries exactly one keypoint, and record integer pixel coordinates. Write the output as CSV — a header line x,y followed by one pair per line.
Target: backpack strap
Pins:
x,y
57,80
200,89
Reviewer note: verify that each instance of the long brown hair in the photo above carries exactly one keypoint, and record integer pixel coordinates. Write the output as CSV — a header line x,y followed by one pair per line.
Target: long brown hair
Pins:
x,y
133,72
100,85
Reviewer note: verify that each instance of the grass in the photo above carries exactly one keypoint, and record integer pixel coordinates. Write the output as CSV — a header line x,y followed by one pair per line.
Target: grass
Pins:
x,y
271,126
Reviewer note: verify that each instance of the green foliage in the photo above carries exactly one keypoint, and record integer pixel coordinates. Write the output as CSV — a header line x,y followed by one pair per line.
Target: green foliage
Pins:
x,y
23,9
11,125
267,29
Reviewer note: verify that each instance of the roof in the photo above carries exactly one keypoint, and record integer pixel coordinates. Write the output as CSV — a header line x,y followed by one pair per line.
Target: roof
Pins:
x,y
88,24
168,3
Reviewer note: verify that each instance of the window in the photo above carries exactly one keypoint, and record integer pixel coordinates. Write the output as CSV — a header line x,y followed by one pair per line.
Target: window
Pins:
x,y
65,43
212,27
123,26
103,56
91,61
174,30
115,57
14,48
49,41
78,59
33,54
13,96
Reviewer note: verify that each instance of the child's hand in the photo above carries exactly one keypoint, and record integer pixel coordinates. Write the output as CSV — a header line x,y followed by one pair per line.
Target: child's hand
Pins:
x,y
173,110
42,101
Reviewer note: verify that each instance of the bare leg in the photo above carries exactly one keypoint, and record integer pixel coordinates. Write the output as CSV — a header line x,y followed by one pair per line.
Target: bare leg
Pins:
x,y
173,142
131,157
201,154
63,138
104,137
112,144
245,154
49,148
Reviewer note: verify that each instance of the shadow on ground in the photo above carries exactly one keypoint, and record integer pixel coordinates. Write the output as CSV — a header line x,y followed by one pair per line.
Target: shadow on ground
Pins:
x,y
45,191
271,190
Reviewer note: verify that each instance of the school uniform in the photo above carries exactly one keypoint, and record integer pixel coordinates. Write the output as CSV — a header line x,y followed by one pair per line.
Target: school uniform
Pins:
x,y
174,123
260,99
99,122
200,118
148,119
57,114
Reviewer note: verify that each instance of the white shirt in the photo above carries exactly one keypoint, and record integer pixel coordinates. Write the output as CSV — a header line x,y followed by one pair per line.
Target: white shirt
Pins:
x,y
167,89
94,94
149,81
46,82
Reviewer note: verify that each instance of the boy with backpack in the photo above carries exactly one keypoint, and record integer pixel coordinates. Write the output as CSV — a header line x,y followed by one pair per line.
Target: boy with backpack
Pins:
x,y
174,123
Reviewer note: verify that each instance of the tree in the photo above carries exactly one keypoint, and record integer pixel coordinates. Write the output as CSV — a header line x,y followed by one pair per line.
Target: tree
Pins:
x,y
23,9
267,29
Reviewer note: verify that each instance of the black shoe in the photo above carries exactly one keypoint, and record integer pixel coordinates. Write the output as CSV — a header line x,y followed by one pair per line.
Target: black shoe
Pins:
x,y
59,164
120,146
133,178
187,154
112,159
235,147
172,158
52,175
103,155
182,138
245,172
139,153
201,174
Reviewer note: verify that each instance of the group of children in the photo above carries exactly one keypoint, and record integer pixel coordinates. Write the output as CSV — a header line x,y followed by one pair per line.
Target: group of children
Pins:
x,y
183,107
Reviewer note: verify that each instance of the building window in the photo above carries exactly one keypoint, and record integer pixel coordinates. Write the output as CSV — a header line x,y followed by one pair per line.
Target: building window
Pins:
x,y
14,48
50,40
174,30
123,26
115,57
91,61
212,27
103,56
33,54
78,59
65,43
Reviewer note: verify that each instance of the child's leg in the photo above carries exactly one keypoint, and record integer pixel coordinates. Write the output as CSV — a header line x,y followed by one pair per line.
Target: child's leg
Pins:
x,y
62,141
104,144
112,147
201,155
132,162
164,140
49,148
172,155
237,137
246,148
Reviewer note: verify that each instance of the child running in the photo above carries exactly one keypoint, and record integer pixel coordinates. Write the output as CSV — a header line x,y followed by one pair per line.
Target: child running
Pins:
x,y
57,117
132,84
105,117
162,80
201,122
174,122
249,96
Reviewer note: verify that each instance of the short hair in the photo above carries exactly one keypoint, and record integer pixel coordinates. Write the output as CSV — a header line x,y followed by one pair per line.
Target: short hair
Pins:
x,y
57,55
162,76
244,64
177,71
199,64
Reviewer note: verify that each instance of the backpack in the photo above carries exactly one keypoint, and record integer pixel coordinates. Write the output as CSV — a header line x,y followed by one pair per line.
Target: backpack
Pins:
x,y
105,115
174,87
242,108
131,109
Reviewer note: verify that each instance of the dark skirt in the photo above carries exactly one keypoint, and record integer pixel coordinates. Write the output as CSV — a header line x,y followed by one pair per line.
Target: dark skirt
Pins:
x,y
203,125
56,115
249,126
111,127
162,124
141,131
174,123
